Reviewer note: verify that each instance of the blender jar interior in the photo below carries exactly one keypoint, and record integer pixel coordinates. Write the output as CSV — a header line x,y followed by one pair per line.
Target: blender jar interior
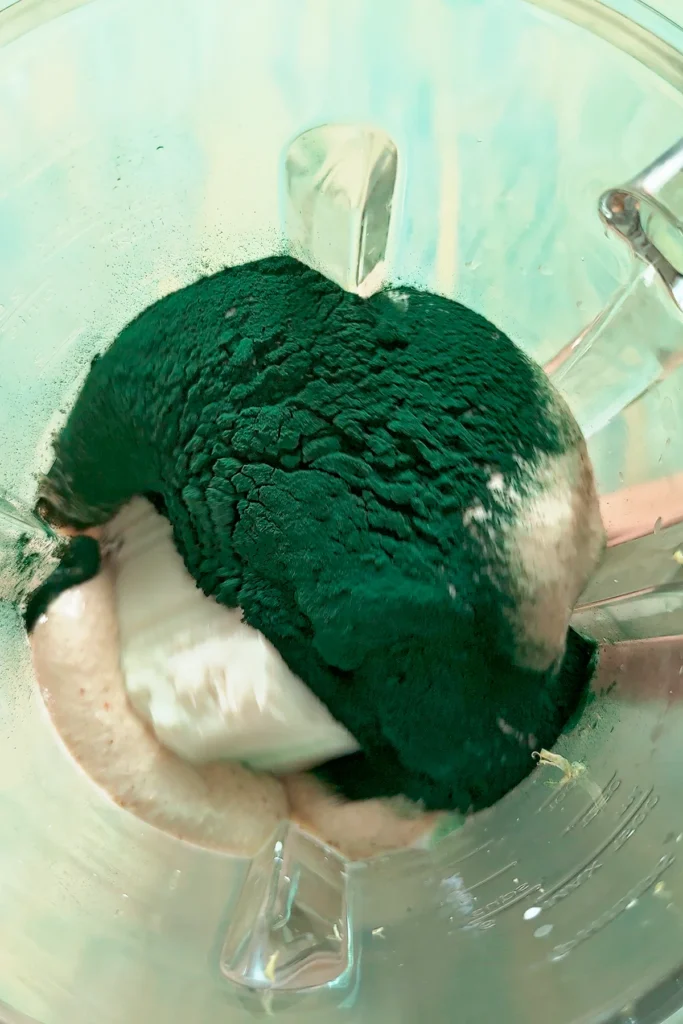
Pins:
x,y
141,145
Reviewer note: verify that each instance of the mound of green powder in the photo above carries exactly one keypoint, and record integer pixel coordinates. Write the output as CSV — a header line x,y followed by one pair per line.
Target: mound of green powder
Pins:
x,y
320,457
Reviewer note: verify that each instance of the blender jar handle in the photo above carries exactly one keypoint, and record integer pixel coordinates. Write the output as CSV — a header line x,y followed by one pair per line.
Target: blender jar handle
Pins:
x,y
635,342
646,212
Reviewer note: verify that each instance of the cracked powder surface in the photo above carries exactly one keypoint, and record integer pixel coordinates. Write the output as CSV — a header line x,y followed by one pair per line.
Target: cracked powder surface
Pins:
x,y
334,466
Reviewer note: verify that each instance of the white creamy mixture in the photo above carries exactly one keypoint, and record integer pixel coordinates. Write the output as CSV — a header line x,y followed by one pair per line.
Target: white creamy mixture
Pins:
x,y
210,686
223,805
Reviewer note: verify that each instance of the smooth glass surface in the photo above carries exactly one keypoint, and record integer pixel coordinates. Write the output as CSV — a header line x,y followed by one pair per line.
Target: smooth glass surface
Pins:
x,y
141,145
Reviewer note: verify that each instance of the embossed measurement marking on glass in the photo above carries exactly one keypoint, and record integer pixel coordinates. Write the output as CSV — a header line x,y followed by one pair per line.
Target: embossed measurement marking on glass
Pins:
x,y
618,837
571,884
584,817
631,798
472,853
557,796
618,908
483,916
490,878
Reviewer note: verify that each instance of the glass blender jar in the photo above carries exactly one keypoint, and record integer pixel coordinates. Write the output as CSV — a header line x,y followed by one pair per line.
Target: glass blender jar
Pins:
x,y
537,178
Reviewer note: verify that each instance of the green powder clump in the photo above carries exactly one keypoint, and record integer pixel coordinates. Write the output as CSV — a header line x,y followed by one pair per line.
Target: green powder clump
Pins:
x,y
319,456
79,563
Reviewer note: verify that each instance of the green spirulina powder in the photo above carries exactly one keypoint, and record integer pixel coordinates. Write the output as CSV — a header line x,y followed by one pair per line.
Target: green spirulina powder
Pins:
x,y
80,562
319,456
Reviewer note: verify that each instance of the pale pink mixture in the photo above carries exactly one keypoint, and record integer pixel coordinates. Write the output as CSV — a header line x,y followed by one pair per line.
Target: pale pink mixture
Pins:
x,y
224,806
